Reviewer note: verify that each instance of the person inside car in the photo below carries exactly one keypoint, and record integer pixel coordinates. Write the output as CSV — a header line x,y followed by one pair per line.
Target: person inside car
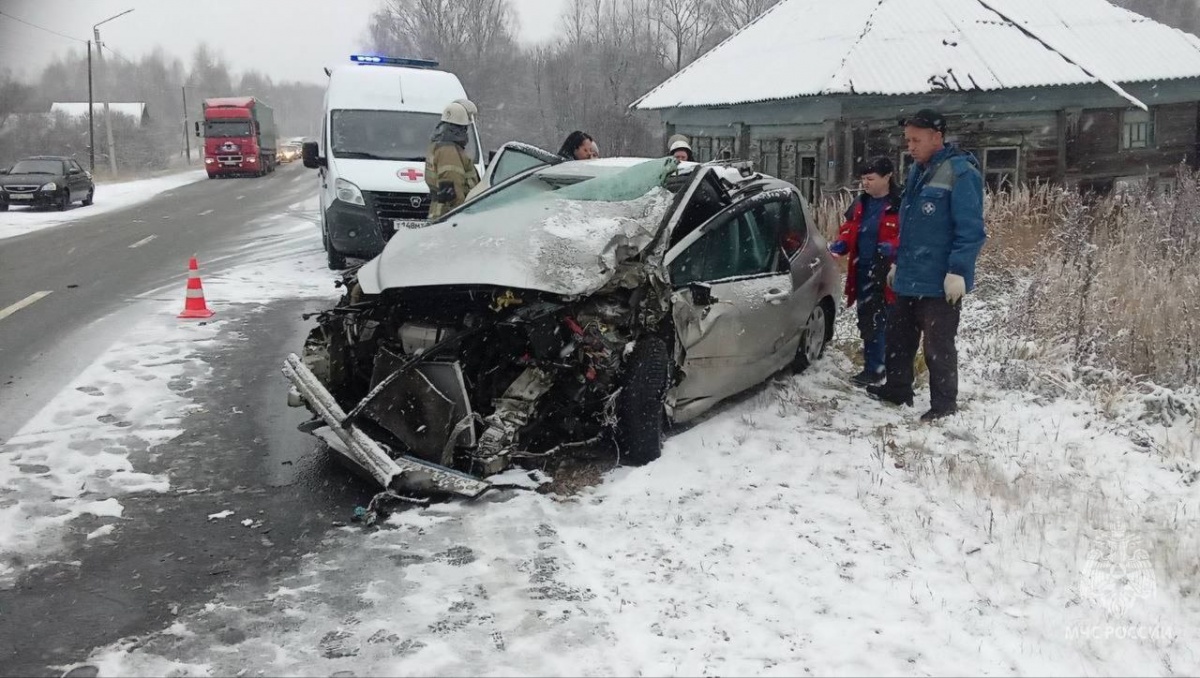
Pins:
x,y
579,146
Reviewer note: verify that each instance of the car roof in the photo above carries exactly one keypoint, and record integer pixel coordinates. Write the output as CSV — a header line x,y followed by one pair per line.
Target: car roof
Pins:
x,y
47,157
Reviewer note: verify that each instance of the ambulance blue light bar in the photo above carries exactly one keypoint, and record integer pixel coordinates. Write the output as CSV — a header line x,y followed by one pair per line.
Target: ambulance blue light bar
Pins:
x,y
392,61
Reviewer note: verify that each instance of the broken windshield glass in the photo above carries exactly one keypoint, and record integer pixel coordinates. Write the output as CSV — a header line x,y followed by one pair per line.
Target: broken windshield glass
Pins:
x,y
607,183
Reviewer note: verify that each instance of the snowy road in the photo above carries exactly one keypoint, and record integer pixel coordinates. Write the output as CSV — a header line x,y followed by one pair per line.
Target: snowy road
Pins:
x,y
92,273
125,427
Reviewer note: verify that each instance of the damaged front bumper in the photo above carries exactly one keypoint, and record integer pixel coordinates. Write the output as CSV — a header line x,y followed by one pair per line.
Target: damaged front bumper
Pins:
x,y
400,473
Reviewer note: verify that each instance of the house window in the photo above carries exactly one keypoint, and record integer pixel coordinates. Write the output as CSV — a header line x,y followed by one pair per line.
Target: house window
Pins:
x,y
770,156
1136,130
1000,167
706,149
807,179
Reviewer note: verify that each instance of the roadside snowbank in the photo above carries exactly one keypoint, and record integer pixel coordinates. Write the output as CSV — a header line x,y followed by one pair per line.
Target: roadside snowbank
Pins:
x,y
109,197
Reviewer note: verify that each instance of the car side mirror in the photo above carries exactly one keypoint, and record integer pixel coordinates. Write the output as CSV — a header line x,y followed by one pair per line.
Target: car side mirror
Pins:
x,y
701,294
74,171
311,154
491,156
197,130
4,170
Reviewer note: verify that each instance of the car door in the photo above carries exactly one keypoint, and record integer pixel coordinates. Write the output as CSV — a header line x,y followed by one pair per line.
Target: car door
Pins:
x,y
806,260
733,303
77,180
510,160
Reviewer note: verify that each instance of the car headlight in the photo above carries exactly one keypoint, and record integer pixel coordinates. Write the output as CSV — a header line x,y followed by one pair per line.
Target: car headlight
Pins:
x,y
348,192
50,187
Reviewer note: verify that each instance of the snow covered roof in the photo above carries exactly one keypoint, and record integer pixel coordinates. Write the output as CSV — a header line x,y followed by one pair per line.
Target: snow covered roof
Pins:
x,y
814,47
78,109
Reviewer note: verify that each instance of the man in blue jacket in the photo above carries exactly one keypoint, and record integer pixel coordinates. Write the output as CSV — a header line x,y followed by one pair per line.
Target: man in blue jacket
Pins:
x,y
941,233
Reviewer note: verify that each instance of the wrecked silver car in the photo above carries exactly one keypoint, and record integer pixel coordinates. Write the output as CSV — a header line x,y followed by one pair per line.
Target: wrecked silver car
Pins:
x,y
568,304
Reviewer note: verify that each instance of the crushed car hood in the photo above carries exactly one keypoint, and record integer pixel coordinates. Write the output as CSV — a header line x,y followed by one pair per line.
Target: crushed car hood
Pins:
x,y
567,242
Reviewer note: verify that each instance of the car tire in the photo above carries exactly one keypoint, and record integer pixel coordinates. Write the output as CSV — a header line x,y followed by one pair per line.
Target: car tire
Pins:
x,y
64,201
91,197
335,259
814,337
4,207
640,414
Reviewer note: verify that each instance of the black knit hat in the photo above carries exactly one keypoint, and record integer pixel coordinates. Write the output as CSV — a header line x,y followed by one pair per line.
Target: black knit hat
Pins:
x,y
880,165
926,119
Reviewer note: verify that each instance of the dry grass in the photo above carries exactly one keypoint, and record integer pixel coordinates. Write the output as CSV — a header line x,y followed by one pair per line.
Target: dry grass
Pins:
x,y
1116,282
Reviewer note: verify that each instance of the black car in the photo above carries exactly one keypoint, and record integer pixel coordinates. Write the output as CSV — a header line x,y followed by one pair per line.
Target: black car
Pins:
x,y
45,181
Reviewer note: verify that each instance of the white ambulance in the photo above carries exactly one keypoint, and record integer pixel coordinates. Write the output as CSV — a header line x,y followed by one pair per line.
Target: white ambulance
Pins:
x,y
379,115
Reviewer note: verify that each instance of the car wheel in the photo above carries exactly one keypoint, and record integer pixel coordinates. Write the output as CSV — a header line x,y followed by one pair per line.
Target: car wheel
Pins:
x,y
813,338
335,259
91,197
64,201
639,428
4,207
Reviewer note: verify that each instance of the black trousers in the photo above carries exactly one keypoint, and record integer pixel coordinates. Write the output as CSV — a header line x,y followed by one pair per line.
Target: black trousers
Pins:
x,y
936,320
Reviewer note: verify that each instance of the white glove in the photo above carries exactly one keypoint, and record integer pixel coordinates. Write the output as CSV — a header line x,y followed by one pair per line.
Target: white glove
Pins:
x,y
891,276
956,287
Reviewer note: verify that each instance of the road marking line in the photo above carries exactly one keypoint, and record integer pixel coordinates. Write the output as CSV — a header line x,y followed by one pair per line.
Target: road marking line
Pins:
x,y
143,241
27,301
205,213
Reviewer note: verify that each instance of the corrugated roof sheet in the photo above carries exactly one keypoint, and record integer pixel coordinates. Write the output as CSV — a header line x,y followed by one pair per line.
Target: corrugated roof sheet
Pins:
x,y
79,109
813,47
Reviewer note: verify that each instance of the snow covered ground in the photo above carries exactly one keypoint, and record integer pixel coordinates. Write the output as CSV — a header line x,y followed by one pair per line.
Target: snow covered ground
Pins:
x,y
109,197
802,530
81,452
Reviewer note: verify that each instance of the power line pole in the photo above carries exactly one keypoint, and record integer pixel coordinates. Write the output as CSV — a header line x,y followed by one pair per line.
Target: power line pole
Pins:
x,y
91,123
187,139
112,150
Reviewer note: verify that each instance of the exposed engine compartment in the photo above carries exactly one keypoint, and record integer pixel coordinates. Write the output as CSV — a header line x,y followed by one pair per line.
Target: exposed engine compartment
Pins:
x,y
475,378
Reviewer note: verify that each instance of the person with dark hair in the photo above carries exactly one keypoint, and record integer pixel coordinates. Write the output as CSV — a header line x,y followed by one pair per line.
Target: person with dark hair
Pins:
x,y
942,232
579,146
869,237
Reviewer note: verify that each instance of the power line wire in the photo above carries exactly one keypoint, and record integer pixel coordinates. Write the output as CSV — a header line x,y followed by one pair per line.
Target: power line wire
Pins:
x,y
117,54
43,28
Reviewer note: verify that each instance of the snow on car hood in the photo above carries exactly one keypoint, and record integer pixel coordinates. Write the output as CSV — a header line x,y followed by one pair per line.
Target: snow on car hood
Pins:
x,y
566,242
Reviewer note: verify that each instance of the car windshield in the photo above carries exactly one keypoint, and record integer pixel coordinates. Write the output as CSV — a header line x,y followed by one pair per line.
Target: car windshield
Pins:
x,y
37,167
227,128
591,182
387,135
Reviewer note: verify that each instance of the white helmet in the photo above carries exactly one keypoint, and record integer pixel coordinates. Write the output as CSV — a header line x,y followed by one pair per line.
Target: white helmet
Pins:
x,y
472,109
456,114
677,142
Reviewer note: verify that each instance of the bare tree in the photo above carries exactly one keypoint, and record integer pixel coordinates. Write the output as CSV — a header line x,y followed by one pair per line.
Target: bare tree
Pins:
x,y
734,14
688,24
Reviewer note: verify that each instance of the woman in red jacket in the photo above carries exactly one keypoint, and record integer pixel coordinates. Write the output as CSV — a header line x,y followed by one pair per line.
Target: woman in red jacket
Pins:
x,y
869,237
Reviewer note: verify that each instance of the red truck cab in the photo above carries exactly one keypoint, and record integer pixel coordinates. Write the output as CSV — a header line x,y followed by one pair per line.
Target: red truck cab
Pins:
x,y
239,137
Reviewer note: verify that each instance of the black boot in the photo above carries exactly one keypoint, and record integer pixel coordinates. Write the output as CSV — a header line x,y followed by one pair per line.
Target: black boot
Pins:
x,y
866,378
936,413
890,395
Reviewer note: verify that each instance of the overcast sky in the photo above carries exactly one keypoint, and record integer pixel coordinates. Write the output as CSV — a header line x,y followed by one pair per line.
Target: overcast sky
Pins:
x,y
286,39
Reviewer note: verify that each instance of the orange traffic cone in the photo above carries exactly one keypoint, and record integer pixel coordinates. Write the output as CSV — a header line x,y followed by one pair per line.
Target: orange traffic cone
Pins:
x,y
194,306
